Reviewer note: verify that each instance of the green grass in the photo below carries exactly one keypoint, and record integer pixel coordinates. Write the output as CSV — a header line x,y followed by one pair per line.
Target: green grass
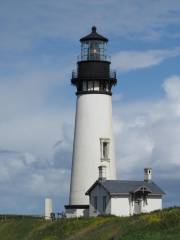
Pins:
x,y
160,225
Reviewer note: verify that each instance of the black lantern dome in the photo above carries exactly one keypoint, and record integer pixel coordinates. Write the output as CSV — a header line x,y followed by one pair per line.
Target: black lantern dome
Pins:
x,y
93,73
94,36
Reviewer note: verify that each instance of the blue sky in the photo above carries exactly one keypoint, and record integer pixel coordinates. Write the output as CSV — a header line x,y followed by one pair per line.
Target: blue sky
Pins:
x,y
39,44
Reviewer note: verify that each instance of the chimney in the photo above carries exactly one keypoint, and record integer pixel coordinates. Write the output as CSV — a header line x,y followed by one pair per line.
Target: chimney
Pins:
x,y
102,173
148,174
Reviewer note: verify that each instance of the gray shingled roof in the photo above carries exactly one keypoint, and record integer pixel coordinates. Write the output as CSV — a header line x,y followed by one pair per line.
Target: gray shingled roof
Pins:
x,y
117,187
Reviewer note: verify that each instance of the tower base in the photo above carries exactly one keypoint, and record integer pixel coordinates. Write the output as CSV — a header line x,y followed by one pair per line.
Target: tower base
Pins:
x,y
75,211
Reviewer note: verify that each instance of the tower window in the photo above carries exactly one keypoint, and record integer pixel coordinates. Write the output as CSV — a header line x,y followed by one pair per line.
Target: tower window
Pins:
x,y
105,150
104,144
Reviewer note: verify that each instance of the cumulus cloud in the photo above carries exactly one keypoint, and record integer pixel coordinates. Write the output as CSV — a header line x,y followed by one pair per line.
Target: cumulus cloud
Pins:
x,y
133,60
31,168
27,23
24,176
148,135
172,88
37,170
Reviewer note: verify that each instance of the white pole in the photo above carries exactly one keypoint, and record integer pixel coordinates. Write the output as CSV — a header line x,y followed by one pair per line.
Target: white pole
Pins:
x,y
48,208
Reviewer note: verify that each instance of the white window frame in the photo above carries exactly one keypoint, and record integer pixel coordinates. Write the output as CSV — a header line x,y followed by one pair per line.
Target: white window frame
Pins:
x,y
102,141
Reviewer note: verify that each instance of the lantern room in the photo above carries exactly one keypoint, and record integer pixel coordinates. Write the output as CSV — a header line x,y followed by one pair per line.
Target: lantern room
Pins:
x,y
93,47
93,74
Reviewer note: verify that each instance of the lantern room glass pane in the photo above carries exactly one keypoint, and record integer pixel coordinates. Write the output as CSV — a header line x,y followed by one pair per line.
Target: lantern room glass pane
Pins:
x,y
90,86
93,50
85,86
96,86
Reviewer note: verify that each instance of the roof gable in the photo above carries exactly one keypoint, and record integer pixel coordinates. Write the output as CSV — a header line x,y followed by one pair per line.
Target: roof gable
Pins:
x,y
93,187
142,189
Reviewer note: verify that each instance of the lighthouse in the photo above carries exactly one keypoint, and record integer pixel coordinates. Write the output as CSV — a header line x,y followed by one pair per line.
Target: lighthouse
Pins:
x,y
93,145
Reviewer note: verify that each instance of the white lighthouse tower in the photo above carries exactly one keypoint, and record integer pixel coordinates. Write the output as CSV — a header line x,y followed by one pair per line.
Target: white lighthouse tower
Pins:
x,y
93,136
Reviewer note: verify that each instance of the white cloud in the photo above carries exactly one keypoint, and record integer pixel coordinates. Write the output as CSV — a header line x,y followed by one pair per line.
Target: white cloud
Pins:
x,y
25,23
48,182
132,60
26,180
149,133
37,133
172,88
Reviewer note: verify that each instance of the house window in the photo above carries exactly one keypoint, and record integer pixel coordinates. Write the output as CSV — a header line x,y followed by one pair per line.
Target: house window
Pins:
x,y
104,142
104,203
95,203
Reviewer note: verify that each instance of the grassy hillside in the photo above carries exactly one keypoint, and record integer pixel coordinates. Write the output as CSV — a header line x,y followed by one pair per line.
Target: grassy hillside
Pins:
x,y
160,225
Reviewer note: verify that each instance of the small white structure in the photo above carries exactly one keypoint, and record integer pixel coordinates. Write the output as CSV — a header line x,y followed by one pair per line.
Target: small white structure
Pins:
x,y
124,198
48,208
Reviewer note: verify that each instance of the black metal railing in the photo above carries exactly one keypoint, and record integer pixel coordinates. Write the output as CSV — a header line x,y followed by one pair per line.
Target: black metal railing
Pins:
x,y
95,57
112,74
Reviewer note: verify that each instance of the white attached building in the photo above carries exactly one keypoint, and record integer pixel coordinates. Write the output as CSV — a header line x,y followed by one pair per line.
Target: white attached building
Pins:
x,y
124,198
